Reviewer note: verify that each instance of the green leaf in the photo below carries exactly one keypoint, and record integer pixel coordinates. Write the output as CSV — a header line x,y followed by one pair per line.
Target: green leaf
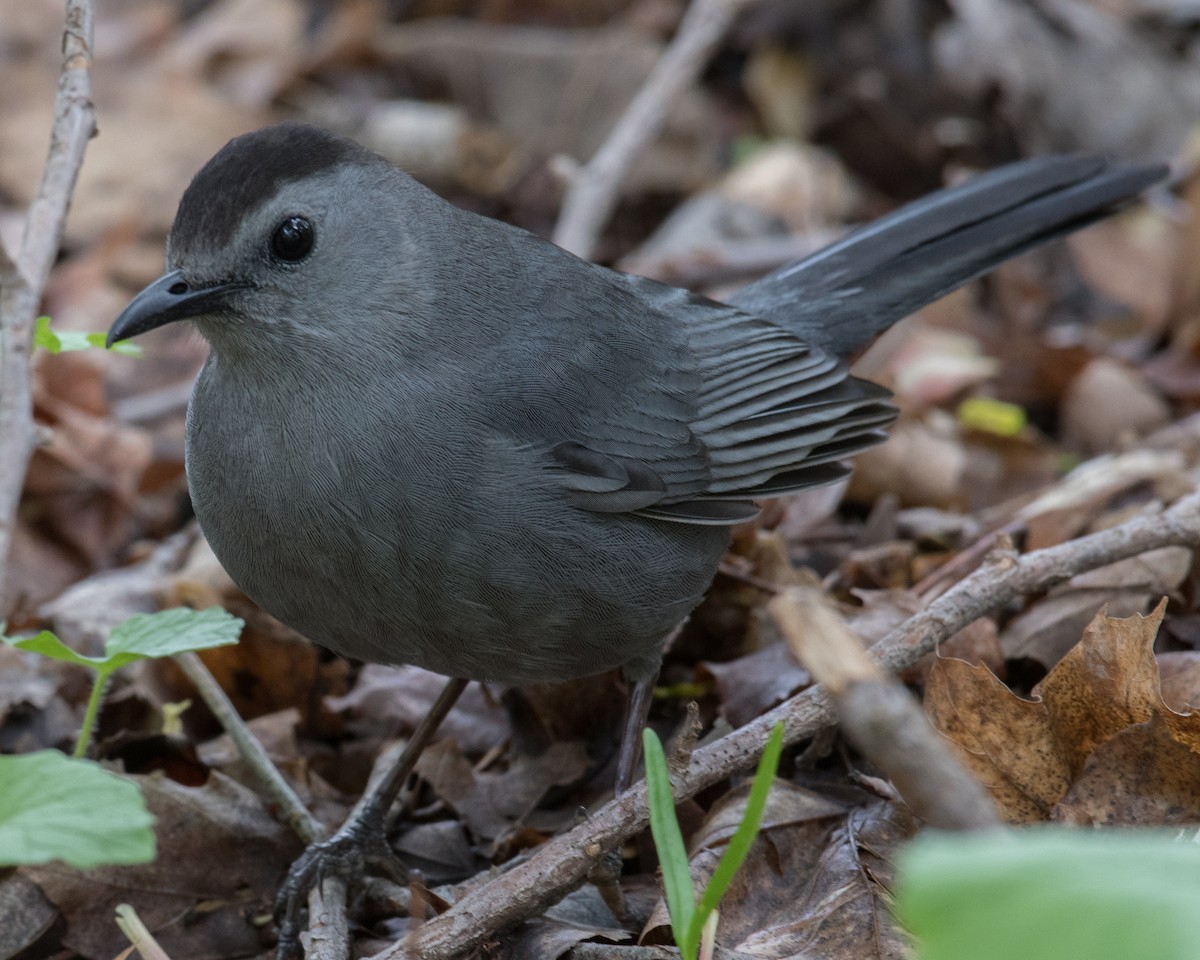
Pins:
x,y
672,854
743,838
48,645
56,808
125,348
1048,893
168,632
61,341
162,634
44,337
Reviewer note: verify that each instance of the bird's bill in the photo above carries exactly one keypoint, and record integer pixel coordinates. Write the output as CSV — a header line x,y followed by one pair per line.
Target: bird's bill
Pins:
x,y
167,299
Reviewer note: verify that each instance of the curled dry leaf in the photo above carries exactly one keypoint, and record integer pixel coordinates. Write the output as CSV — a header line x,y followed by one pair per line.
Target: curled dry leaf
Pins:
x,y
1078,500
1096,744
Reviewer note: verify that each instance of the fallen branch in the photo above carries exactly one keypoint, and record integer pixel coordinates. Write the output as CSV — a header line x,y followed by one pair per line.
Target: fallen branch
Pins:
x,y
561,864
328,927
23,277
880,716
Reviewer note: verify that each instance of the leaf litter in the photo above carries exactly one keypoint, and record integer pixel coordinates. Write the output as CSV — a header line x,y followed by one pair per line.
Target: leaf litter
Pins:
x,y
1090,731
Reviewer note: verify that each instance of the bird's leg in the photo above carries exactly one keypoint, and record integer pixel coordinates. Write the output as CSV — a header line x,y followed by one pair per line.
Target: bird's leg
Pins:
x,y
362,838
636,713
606,874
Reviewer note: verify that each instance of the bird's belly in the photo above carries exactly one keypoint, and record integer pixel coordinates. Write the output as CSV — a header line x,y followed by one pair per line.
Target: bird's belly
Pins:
x,y
514,591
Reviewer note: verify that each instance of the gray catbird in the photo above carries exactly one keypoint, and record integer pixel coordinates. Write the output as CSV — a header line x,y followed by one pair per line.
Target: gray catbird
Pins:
x,y
423,436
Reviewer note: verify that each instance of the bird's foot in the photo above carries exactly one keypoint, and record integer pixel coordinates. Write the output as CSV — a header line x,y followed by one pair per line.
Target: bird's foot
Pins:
x,y
358,847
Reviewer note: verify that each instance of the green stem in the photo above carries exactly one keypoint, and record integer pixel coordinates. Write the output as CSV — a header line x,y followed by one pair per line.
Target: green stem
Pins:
x,y
90,714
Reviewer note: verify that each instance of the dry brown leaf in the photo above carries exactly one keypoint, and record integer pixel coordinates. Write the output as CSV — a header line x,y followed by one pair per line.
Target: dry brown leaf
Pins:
x,y
977,643
1002,739
1135,260
27,914
492,804
442,851
39,568
40,702
881,612
1092,746
393,700
1051,627
221,856
581,915
1180,676
750,685
935,365
1147,774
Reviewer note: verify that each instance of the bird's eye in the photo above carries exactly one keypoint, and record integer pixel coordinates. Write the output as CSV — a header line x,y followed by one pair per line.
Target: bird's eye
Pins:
x,y
293,239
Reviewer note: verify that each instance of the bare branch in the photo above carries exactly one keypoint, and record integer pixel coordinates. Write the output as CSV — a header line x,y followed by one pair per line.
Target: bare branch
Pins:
x,y
593,192
74,126
23,277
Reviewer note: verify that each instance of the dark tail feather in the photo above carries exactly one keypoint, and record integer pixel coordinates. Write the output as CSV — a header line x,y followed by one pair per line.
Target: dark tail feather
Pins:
x,y
843,296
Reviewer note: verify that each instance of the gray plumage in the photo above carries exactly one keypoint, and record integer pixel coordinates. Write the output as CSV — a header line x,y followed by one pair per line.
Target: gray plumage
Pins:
x,y
436,439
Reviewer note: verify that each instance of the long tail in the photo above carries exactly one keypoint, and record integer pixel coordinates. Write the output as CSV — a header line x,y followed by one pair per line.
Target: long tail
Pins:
x,y
844,295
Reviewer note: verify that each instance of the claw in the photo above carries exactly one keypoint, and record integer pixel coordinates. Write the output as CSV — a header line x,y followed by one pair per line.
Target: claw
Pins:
x,y
361,840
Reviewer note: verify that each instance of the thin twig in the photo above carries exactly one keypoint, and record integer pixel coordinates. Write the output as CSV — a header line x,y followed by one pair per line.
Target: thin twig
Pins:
x,y
276,789
562,863
23,277
592,195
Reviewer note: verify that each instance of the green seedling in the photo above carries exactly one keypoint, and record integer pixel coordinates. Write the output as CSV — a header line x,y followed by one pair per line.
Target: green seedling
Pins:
x,y
54,807
162,634
694,921
63,341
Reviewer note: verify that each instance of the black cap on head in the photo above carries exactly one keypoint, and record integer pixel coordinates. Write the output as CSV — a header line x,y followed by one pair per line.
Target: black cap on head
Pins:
x,y
248,171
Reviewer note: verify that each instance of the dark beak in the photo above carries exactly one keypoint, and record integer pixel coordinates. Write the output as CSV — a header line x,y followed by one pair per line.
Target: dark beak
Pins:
x,y
167,299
